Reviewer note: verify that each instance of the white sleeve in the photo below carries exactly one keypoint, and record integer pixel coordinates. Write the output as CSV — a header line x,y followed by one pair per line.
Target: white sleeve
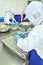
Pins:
x,y
29,42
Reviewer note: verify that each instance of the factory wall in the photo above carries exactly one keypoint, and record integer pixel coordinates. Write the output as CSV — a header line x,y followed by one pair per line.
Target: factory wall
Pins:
x,y
18,5
4,6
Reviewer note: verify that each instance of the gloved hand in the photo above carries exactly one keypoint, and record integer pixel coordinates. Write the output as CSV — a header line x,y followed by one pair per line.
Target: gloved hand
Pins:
x,y
17,37
24,33
14,22
21,34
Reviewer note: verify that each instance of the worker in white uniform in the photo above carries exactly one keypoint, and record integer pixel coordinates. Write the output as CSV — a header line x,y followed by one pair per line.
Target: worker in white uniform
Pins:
x,y
9,17
33,43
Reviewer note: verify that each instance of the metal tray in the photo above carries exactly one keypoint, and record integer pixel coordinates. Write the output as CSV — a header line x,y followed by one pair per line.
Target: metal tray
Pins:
x,y
12,44
4,28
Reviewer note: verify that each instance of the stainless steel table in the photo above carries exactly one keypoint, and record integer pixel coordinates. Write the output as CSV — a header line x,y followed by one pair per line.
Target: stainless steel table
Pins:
x,y
6,58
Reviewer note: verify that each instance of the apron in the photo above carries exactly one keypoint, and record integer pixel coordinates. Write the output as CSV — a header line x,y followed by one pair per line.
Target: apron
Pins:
x,y
35,58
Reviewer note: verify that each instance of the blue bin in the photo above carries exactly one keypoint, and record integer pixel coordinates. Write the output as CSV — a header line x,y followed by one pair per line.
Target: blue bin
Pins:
x,y
18,18
26,20
1,19
35,58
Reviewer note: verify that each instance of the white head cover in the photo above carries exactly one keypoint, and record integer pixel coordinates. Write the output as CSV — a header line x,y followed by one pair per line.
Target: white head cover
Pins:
x,y
9,15
34,12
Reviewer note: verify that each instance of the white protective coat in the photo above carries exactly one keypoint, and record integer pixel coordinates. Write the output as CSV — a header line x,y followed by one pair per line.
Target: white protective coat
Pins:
x,y
33,41
35,37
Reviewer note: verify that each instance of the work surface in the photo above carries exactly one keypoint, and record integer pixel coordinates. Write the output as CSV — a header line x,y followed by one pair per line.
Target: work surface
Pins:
x,y
5,57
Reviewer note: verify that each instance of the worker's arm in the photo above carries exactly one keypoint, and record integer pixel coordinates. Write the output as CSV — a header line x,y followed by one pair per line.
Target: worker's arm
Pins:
x,y
29,42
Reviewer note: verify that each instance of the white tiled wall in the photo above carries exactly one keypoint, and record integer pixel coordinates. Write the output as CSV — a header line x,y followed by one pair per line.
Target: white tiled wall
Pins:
x,y
18,5
4,5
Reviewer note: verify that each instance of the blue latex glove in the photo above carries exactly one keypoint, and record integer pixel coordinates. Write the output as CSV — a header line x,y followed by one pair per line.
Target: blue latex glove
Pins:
x,y
17,37
14,22
21,34
24,33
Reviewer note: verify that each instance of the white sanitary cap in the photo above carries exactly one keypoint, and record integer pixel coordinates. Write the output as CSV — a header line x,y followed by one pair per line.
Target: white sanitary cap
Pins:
x,y
34,12
9,15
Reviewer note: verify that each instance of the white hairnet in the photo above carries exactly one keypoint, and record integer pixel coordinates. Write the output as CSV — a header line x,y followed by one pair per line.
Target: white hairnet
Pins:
x,y
34,12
